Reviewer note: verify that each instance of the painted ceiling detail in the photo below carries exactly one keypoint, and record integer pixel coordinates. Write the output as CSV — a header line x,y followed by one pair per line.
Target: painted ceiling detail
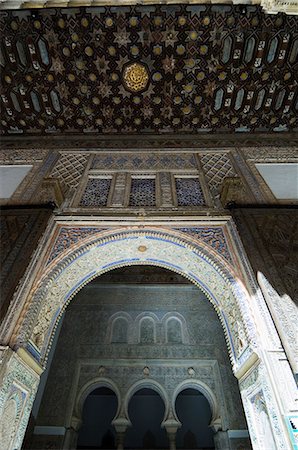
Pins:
x,y
135,77
148,69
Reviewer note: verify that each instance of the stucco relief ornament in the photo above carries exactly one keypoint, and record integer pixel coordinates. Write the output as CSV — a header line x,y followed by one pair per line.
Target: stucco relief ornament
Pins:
x,y
8,418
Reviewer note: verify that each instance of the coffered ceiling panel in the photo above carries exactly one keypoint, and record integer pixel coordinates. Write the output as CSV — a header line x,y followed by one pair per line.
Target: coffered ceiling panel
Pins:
x,y
148,69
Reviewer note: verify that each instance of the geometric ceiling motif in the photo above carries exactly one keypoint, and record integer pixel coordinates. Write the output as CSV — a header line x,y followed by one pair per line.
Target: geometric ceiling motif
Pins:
x,y
205,68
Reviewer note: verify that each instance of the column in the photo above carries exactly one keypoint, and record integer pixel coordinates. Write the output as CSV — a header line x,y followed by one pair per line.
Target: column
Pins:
x,y
118,197
171,426
166,191
121,424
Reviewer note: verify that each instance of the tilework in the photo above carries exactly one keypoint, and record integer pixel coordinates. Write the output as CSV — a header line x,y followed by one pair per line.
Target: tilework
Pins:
x,y
212,68
96,192
69,236
142,192
189,192
212,236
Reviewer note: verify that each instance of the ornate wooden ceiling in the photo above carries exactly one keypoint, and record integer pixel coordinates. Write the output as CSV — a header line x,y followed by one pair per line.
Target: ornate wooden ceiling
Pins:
x,y
210,69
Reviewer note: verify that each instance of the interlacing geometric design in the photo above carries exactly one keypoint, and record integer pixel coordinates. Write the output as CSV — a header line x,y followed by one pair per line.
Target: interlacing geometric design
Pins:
x,y
217,167
69,169
96,192
189,192
142,192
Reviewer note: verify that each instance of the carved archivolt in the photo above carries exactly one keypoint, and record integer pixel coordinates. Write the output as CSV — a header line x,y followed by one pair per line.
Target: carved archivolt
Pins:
x,y
107,251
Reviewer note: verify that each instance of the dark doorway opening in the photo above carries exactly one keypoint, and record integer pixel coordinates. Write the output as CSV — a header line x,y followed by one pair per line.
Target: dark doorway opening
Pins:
x,y
193,411
146,411
99,410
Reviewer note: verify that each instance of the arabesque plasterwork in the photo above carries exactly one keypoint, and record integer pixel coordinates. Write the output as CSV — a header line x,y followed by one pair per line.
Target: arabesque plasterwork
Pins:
x,y
66,277
240,313
17,392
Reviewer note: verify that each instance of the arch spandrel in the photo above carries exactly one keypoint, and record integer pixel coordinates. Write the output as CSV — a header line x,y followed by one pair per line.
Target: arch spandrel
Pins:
x,y
108,251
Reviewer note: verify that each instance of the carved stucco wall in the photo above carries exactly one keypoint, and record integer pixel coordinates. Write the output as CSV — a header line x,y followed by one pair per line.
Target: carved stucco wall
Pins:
x,y
270,237
84,351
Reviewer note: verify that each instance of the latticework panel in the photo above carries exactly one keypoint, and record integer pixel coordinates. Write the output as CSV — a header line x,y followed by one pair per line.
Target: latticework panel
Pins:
x,y
142,192
189,192
217,167
96,192
69,169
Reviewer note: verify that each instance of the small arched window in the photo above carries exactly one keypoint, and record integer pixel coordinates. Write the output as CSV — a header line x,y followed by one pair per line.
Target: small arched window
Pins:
x,y
174,331
147,331
119,331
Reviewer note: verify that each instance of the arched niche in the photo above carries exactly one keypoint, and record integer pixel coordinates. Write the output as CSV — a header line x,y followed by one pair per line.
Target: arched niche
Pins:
x,y
147,384
146,411
99,409
207,392
193,411
171,250
96,383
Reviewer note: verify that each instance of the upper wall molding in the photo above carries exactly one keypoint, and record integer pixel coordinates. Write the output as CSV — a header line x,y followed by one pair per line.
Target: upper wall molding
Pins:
x,y
269,6
170,142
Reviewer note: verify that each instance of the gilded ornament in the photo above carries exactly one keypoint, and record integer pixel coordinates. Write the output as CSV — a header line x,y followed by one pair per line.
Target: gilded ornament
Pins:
x,y
157,76
135,77
186,109
61,23
193,35
180,49
134,50
109,22
84,22
89,51
66,51
203,49
114,76
157,49
157,21
92,77
14,25
112,50
179,76
182,21
133,21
